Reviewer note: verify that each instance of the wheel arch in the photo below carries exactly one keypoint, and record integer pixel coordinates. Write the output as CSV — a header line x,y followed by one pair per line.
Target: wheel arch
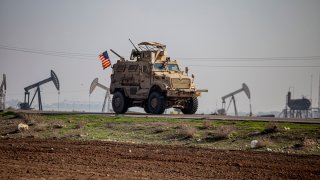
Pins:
x,y
122,90
156,87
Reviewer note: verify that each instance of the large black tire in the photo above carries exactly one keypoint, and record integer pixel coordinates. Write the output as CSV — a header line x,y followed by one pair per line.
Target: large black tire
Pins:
x,y
191,106
146,108
119,103
156,103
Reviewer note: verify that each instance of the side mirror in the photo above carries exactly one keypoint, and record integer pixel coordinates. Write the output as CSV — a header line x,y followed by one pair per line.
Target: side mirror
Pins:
x,y
187,70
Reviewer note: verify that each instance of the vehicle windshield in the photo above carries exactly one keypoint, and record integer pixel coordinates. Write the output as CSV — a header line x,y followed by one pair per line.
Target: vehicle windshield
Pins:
x,y
159,67
173,67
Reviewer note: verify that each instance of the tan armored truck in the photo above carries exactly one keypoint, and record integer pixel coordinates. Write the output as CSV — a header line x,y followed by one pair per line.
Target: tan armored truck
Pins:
x,y
151,80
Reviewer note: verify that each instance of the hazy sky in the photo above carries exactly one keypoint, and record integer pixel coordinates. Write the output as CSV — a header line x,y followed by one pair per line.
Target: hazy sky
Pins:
x,y
212,37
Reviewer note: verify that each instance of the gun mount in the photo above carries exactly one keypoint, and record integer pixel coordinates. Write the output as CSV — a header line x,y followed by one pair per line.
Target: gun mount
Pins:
x,y
94,84
26,105
3,89
121,58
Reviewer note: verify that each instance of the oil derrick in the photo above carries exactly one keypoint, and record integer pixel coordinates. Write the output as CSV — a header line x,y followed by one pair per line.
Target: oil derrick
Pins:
x,y
107,97
245,89
297,108
3,89
26,105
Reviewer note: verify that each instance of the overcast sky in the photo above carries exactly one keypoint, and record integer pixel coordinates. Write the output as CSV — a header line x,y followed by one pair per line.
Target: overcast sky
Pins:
x,y
215,39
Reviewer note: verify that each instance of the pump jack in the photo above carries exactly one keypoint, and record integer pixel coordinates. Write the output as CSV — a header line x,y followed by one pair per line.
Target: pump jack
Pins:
x,y
94,84
26,105
247,92
3,89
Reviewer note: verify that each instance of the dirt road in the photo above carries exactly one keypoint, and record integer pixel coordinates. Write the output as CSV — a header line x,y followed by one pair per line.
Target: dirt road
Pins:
x,y
64,159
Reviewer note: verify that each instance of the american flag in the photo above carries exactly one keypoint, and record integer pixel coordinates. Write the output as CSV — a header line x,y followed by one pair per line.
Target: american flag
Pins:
x,y
104,57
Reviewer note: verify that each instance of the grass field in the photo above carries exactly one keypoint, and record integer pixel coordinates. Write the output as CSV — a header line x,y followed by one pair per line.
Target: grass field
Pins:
x,y
217,134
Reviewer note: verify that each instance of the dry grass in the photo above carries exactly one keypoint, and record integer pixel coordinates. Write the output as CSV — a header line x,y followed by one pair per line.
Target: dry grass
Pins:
x,y
307,142
76,133
220,133
41,126
184,132
270,129
32,119
109,125
80,125
261,144
206,125
57,124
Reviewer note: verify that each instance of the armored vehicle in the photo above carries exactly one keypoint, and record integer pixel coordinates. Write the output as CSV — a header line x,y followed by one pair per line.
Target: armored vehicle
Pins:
x,y
151,80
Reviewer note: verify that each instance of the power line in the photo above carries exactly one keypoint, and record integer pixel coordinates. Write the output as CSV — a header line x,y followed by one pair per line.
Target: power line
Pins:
x,y
232,66
90,56
50,53
298,58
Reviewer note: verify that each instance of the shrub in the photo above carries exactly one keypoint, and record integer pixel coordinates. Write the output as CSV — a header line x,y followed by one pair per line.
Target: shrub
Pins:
x,y
80,125
41,126
206,125
270,129
222,132
184,132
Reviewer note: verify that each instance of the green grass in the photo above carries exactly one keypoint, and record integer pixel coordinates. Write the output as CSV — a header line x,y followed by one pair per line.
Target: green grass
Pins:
x,y
209,133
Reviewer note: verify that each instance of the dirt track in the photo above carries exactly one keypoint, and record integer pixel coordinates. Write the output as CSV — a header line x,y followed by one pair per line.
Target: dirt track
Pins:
x,y
52,159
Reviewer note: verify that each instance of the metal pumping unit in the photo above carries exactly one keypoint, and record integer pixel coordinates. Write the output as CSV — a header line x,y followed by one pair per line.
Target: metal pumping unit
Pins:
x,y
96,83
26,105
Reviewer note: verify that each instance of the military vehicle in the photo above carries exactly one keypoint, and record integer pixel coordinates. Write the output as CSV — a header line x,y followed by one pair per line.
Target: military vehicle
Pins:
x,y
151,80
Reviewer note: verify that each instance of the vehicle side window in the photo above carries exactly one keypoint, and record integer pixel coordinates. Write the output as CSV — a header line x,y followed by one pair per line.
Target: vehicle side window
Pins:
x,y
158,67
173,67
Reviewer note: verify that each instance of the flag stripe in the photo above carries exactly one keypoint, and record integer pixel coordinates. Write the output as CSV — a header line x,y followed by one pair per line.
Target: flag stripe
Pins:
x,y
104,57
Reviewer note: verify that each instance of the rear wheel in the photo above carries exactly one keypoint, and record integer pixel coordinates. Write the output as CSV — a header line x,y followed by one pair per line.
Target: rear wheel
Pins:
x,y
191,106
156,103
146,108
119,103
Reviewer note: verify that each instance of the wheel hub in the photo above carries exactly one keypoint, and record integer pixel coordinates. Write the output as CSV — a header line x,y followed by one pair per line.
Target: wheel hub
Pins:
x,y
117,102
154,102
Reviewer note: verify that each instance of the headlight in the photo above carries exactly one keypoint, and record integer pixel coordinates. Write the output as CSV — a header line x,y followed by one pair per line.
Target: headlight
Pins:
x,y
166,86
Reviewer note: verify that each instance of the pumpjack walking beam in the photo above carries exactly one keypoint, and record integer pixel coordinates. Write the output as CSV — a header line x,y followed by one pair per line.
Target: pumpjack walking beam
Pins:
x,y
247,92
94,84
27,104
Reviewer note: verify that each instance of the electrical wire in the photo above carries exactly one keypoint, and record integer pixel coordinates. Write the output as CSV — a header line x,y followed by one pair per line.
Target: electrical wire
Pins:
x,y
93,57
232,66
298,58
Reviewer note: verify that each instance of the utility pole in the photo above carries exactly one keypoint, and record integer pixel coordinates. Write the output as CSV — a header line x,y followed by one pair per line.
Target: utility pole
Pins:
x,y
319,97
311,89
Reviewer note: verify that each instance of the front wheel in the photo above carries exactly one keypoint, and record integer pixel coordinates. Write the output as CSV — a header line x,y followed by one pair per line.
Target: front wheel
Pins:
x,y
119,103
191,106
146,109
156,103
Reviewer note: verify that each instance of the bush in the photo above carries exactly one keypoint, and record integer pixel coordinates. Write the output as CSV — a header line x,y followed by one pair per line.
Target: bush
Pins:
x,y
222,132
80,125
206,125
184,132
270,129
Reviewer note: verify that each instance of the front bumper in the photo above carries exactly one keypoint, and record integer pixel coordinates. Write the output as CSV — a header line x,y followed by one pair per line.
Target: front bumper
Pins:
x,y
184,93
